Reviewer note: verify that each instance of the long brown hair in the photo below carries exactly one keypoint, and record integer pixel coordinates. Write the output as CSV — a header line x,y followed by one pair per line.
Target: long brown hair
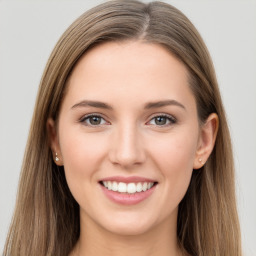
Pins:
x,y
46,218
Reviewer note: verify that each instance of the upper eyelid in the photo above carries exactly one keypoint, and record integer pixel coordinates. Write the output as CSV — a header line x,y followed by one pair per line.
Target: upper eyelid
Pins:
x,y
163,115
92,114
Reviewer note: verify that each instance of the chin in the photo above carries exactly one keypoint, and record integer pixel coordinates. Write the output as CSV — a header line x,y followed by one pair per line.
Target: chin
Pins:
x,y
128,230
128,226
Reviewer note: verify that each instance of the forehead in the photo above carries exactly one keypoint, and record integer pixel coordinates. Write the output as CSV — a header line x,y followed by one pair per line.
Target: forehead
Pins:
x,y
121,70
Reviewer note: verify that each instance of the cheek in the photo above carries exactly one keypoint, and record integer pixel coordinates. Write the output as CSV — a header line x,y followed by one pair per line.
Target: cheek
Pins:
x,y
174,157
176,150
82,156
80,149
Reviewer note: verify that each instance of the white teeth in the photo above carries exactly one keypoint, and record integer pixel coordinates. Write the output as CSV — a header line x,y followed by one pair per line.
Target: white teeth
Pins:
x,y
114,186
144,186
139,187
130,188
122,187
150,185
109,185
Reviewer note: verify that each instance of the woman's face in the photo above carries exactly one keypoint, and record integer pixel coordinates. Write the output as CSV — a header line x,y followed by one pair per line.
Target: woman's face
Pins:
x,y
128,136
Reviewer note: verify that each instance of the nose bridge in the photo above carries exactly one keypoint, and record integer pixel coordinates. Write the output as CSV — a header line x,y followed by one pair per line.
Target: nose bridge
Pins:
x,y
127,148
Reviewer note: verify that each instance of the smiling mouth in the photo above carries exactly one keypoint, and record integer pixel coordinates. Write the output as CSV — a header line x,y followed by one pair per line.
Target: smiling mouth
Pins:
x,y
128,188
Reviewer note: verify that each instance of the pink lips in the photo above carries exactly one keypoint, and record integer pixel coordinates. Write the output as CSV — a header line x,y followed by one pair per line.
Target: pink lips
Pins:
x,y
125,198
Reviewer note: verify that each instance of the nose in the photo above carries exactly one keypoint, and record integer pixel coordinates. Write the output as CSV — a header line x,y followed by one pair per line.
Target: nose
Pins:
x,y
126,147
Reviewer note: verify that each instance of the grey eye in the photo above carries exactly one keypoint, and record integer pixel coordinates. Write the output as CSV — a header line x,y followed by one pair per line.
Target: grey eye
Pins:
x,y
161,120
93,120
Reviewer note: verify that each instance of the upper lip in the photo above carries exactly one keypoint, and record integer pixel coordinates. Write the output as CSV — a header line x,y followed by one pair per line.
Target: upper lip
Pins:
x,y
128,179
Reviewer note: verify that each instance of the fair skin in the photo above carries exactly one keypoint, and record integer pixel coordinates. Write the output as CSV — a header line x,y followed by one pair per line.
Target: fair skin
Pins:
x,y
143,126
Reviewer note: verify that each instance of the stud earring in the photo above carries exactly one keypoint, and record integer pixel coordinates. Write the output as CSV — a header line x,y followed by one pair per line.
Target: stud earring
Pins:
x,y
200,160
56,157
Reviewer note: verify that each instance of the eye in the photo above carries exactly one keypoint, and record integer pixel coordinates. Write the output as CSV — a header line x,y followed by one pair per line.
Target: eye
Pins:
x,y
93,120
162,120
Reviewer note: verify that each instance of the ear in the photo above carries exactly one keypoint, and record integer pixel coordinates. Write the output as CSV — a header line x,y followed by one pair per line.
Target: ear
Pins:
x,y
54,141
206,141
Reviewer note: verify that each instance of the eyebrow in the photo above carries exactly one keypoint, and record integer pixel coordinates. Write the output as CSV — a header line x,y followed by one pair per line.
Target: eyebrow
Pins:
x,y
90,103
163,103
150,105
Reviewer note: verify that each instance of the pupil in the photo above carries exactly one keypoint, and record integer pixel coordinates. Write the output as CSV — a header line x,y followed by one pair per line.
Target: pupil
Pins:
x,y
95,120
161,120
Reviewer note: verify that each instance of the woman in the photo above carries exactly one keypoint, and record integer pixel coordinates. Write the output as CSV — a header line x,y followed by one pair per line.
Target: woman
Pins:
x,y
129,149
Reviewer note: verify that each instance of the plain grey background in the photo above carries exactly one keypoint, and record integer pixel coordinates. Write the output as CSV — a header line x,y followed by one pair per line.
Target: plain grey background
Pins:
x,y
28,33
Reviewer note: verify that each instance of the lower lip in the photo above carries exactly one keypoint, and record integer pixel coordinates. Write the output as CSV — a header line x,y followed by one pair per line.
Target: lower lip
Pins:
x,y
127,199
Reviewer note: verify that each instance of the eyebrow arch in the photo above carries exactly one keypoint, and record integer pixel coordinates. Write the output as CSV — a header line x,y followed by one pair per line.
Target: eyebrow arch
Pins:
x,y
163,103
91,103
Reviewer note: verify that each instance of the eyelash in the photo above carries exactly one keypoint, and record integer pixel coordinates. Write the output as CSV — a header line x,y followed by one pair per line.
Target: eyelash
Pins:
x,y
169,118
87,117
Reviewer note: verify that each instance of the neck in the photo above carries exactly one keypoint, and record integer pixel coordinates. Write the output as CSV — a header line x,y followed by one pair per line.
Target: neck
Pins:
x,y
160,240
